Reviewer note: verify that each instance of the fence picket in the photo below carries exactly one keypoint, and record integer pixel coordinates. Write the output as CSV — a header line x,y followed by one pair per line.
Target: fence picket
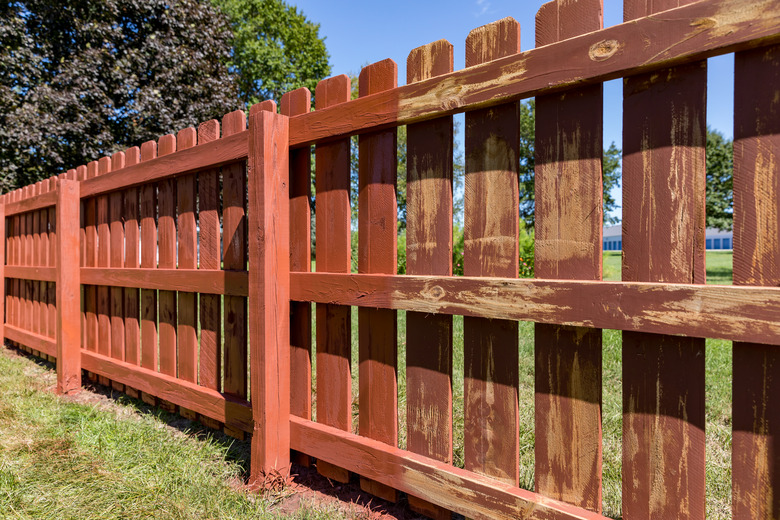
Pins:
x,y
296,103
663,240
756,408
377,253
166,233
332,253
234,258
132,306
568,221
103,251
116,260
148,216
490,351
51,252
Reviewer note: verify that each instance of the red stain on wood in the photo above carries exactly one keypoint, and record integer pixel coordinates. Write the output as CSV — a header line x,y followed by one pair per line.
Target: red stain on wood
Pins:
x,y
663,241
68,288
568,223
334,338
149,256
756,421
132,260
296,103
491,445
429,251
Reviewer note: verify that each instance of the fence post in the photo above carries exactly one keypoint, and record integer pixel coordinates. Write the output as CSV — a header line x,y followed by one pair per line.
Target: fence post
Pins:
x,y
68,288
269,293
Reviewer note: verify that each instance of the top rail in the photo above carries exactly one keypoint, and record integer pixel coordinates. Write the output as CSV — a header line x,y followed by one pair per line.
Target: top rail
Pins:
x,y
209,155
685,34
44,200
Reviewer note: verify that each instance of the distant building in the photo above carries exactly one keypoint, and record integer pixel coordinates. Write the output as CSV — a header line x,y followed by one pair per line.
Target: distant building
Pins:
x,y
714,239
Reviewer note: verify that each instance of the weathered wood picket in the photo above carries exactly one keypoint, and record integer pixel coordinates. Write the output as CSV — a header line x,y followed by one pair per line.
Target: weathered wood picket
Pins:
x,y
184,277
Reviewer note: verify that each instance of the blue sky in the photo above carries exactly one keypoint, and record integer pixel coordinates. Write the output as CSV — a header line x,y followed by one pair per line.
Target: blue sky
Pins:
x,y
357,33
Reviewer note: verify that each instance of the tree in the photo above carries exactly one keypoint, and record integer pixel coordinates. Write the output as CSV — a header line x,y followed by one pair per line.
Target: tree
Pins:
x,y
610,168
275,49
720,181
81,79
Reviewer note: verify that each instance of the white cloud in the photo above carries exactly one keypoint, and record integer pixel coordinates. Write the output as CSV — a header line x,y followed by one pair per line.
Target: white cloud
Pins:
x,y
483,6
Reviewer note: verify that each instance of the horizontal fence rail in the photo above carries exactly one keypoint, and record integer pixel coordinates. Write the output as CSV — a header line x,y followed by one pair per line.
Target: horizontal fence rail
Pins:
x,y
180,271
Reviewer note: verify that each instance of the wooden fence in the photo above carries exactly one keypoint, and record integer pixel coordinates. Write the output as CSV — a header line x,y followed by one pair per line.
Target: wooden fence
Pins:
x,y
194,245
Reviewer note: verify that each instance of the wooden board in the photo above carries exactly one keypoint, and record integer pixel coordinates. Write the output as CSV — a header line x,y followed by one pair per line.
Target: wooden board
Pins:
x,y
756,409
691,33
166,239
490,232
132,260
332,249
663,241
187,312
148,221
429,170
90,260
377,253
234,258
44,200
68,349
116,205
269,281
103,259
210,359
295,103
568,223
52,262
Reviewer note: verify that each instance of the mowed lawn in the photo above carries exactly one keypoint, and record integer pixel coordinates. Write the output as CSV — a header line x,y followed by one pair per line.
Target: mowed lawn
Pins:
x,y
65,459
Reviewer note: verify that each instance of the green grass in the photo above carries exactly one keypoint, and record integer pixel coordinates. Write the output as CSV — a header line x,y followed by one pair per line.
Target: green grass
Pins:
x,y
61,459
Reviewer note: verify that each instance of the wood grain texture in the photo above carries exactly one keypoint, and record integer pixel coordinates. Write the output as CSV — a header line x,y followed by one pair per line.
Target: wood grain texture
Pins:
x,y
4,234
46,274
377,253
31,341
296,103
465,492
269,282
52,261
234,257
429,251
720,312
166,259
663,241
232,283
210,359
148,220
215,154
691,33
116,206
756,420
334,338
132,304
187,309
68,349
568,223
490,233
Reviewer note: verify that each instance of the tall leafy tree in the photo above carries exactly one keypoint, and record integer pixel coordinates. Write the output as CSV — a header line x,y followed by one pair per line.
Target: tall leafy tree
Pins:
x,y
275,48
720,181
81,78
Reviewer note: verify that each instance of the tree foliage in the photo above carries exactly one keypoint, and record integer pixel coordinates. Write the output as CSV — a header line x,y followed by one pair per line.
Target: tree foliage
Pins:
x,y
720,181
275,49
80,79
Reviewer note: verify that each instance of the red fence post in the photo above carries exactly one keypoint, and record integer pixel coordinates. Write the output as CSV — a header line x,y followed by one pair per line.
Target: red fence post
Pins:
x,y
269,292
68,288
2,269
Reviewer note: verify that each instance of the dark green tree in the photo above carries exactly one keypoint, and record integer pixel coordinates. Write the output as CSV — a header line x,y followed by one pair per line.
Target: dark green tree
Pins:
x,y
275,48
720,181
80,79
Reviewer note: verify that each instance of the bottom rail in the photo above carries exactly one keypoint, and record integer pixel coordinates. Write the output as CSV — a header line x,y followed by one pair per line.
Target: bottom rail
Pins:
x,y
231,411
35,341
470,494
